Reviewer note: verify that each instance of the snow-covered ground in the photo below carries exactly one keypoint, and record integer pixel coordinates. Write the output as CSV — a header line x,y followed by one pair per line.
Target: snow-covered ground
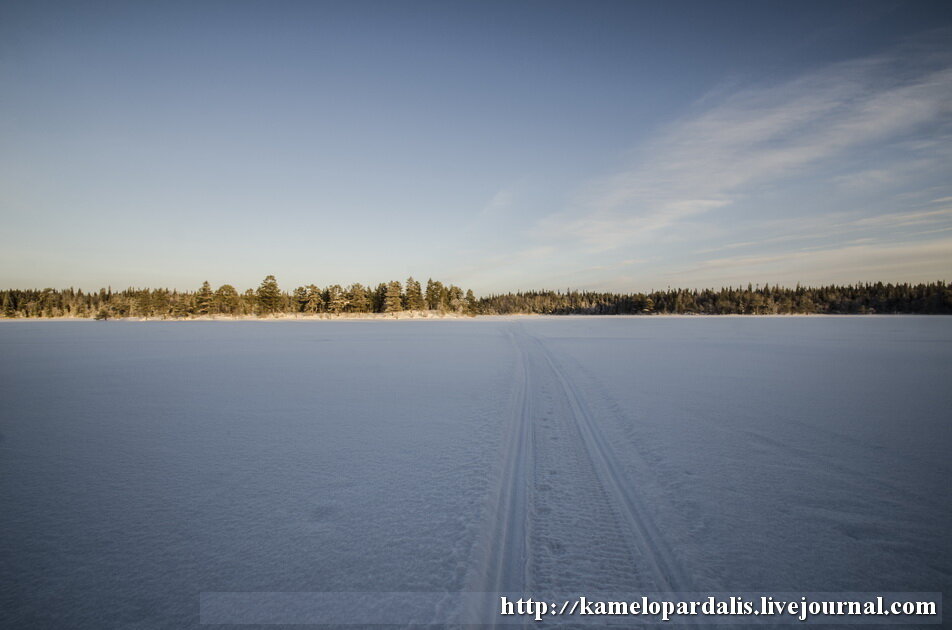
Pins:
x,y
145,463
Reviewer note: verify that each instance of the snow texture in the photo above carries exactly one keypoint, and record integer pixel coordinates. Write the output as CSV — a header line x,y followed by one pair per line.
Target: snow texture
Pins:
x,y
145,463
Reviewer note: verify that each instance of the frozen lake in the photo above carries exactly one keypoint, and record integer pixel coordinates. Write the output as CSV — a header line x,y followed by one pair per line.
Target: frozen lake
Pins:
x,y
145,463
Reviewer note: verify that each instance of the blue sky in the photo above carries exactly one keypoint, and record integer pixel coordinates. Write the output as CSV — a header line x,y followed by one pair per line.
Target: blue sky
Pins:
x,y
498,145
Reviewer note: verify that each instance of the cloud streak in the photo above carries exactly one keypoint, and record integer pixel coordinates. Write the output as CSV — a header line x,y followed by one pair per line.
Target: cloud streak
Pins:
x,y
760,137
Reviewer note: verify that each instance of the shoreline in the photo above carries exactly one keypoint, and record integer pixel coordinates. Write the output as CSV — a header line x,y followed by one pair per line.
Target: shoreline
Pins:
x,y
453,317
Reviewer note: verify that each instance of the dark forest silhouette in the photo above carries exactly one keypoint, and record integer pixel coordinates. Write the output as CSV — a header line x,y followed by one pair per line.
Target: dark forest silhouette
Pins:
x,y
391,297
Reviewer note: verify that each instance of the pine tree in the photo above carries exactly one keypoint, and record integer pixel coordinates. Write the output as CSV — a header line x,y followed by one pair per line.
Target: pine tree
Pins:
x,y
444,298
434,291
394,299
9,308
455,298
300,299
226,299
415,300
269,296
179,305
470,308
357,299
315,299
379,298
248,301
143,304
336,300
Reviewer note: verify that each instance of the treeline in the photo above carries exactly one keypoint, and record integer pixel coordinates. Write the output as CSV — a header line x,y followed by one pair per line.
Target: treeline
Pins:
x,y
391,297
934,298
267,299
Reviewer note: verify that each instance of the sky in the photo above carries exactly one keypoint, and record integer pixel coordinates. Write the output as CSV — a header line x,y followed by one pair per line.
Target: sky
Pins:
x,y
622,146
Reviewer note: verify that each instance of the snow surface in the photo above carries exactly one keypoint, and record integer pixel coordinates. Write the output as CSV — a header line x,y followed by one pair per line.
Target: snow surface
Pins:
x,y
145,463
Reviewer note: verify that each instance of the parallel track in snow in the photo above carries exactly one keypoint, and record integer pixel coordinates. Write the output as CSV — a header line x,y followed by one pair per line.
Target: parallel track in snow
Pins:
x,y
504,563
643,534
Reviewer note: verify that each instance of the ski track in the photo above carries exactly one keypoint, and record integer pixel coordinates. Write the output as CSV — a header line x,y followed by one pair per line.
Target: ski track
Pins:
x,y
558,470
643,534
503,567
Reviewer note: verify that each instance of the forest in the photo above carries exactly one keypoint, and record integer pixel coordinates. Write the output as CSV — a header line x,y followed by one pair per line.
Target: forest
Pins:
x,y
268,299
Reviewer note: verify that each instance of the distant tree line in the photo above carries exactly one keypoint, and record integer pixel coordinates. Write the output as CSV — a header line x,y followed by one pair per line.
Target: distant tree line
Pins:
x,y
391,297
267,299
934,298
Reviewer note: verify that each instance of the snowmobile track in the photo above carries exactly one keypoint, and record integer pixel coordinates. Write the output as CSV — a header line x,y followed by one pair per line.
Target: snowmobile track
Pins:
x,y
647,541
506,547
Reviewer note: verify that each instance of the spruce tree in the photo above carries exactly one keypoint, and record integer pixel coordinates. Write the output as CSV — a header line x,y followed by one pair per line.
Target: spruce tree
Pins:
x,y
203,299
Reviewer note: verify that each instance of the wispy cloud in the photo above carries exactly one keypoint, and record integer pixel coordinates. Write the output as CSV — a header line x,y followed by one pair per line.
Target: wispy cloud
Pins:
x,y
845,224
760,137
